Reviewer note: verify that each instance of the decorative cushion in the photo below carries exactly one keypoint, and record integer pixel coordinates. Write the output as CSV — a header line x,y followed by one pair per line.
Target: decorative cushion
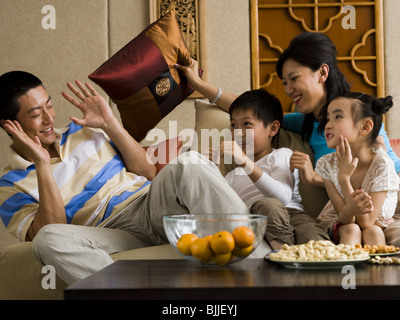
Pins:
x,y
141,78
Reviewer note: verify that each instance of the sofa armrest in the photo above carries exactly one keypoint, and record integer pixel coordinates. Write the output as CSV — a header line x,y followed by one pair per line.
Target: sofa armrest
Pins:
x,y
6,238
21,275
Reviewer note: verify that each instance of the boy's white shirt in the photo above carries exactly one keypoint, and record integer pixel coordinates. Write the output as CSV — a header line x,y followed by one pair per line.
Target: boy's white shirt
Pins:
x,y
277,181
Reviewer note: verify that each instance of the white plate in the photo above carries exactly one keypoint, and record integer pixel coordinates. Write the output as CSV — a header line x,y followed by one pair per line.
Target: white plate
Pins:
x,y
329,264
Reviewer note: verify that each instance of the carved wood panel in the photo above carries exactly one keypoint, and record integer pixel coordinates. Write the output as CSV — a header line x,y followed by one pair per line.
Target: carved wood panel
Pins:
x,y
190,15
357,34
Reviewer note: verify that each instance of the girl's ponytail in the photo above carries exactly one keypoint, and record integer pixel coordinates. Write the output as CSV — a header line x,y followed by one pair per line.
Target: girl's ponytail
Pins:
x,y
382,105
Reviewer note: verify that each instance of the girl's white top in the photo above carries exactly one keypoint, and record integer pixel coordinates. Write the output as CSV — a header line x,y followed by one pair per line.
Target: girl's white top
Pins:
x,y
381,176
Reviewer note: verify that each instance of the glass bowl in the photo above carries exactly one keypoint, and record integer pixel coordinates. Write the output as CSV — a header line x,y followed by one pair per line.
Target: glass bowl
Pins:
x,y
220,243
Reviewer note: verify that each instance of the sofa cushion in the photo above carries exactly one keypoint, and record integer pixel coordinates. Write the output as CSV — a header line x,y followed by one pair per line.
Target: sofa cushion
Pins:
x,y
212,126
160,252
210,117
141,78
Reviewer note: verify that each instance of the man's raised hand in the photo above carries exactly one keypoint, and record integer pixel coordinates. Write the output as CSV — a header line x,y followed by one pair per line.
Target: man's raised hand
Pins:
x,y
96,111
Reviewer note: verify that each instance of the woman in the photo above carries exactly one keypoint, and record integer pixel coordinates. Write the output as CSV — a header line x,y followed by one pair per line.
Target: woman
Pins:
x,y
308,69
309,72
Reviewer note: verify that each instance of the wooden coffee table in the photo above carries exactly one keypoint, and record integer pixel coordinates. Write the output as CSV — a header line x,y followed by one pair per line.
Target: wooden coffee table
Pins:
x,y
248,279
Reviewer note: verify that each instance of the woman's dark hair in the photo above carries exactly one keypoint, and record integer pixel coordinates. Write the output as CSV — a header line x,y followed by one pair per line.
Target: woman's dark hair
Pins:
x,y
366,106
312,50
13,85
265,106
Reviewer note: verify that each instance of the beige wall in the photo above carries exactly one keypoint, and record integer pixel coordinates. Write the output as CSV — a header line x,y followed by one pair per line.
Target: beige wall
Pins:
x,y
88,32
55,56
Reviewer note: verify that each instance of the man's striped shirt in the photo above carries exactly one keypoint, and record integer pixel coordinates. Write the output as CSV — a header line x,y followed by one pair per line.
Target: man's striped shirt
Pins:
x,y
90,175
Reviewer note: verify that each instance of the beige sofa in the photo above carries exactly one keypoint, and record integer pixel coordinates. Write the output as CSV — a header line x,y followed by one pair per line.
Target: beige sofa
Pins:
x,y
21,275
65,53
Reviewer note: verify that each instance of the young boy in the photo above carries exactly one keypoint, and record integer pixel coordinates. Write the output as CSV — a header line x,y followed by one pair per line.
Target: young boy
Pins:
x,y
262,177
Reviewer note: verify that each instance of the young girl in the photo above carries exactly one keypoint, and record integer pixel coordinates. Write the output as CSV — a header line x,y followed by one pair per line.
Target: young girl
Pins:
x,y
359,177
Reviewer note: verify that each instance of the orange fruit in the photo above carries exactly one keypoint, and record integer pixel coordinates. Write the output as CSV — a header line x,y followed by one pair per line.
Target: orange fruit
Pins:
x,y
221,259
184,242
243,236
241,252
222,242
201,249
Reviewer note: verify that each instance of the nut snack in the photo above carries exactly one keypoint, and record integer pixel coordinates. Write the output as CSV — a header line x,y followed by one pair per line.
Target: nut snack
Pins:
x,y
384,260
322,250
381,249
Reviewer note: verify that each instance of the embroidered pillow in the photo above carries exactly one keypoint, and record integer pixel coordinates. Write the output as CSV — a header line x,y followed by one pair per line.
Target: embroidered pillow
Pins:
x,y
141,78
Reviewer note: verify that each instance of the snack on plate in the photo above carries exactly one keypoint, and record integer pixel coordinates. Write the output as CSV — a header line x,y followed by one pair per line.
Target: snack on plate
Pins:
x,y
322,250
381,249
384,260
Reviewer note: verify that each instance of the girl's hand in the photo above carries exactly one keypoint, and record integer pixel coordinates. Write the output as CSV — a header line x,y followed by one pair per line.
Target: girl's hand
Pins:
x,y
96,111
363,201
359,204
346,163
28,148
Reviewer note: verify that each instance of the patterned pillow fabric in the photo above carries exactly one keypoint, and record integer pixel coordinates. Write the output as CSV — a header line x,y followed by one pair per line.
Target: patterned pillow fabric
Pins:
x,y
141,78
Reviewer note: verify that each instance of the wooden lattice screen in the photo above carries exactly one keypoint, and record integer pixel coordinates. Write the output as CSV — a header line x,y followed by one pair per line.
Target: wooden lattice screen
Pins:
x,y
358,36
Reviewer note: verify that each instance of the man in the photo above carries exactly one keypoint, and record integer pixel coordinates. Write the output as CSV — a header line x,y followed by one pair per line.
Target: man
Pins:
x,y
86,191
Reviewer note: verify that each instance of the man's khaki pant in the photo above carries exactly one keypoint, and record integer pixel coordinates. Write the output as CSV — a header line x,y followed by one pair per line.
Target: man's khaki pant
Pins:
x,y
191,184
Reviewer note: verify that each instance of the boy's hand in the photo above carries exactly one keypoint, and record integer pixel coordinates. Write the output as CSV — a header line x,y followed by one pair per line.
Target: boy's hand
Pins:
x,y
212,155
302,162
232,150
